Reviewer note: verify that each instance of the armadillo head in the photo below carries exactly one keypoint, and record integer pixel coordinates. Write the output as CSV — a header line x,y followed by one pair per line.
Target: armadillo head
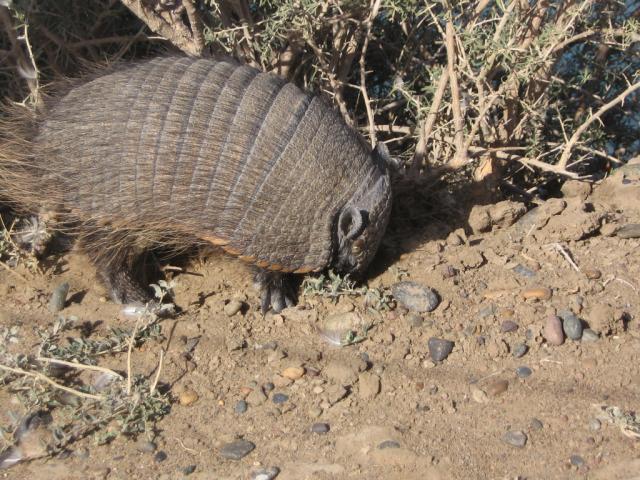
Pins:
x,y
363,220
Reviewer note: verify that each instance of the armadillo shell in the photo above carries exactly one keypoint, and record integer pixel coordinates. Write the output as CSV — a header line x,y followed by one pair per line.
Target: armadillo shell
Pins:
x,y
219,150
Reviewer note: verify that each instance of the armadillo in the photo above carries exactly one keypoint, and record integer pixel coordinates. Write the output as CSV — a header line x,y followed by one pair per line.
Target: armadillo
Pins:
x,y
173,150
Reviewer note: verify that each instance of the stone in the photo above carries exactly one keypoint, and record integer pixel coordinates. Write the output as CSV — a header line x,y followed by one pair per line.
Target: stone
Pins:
x,y
338,327
576,461
368,385
571,325
439,348
146,447
389,444
523,372
188,470
536,424
479,395
553,332
265,473
524,271
237,449
537,293
293,373
595,425
479,219
496,387
589,335
320,428
631,230
520,350
160,456
515,438
59,297
241,407
279,398
415,297
232,307
187,397
592,273
508,326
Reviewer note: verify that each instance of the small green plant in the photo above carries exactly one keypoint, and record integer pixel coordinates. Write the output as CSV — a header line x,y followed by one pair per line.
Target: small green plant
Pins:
x,y
333,286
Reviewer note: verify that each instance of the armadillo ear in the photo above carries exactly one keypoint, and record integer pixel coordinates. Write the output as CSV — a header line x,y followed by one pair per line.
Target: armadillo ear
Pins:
x,y
350,223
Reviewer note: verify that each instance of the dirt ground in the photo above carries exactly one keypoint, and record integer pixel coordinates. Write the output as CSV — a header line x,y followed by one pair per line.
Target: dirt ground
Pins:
x,y
392,412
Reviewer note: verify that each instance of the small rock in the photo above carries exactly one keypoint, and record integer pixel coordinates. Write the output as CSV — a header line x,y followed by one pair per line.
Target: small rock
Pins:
x,y
454,240
233,307
59,297
537,293
188,470
536,424
279,398
576,461
479,395
471,259
315,412
146,447
524,271
320,428
293,373
335,393
595,425
241,407
267,387
388,444
439,348
508,326
414,320
592,273
415,297
265,473
496,387
281,382
256,397
187,397
237,449
336,328
631,230
523,372
553,332
479,219
571,325
447,271
515,438
589,335
160,456
369,385
520,350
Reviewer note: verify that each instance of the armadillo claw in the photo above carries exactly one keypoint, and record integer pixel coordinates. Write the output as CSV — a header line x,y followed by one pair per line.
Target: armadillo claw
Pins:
x,y
276,291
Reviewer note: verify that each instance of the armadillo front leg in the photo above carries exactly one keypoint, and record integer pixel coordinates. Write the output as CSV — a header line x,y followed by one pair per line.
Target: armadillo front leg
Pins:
x,y
276,290
122,285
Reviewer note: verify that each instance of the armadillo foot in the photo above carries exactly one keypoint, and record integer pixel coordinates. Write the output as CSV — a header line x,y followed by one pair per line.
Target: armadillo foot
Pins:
x,y
123,288
276,291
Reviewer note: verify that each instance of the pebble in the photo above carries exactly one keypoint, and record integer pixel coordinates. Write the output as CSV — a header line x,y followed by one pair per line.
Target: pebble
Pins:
x,y
320,428
571,325
265,473
59,297
588,335
241,406
414,320
631,230
439,349
237,449
267,387
577,460
524,271
508,326
315,412
523,372
369,385
553,331
146,447
515,438
188,470
595,425
388,444
279,398
478,395
256,397
538,293
160,456
187,397
415,297
335,328
520,350
592,273
536,424
496,387
233,307
293,373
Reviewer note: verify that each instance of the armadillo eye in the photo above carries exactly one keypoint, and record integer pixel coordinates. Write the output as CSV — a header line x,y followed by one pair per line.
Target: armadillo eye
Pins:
x,y
357,246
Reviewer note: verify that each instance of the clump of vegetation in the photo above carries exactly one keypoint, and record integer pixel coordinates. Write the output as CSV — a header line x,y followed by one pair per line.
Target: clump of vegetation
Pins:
x,y
332,285
63,384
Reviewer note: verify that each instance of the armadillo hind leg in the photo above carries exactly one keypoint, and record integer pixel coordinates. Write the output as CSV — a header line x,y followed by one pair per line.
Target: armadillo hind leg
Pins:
x,y
114,260
276,290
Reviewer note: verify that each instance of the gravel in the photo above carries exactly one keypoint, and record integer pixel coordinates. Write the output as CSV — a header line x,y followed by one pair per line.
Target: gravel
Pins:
x,y
515,438
439,348
415,297
237,449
